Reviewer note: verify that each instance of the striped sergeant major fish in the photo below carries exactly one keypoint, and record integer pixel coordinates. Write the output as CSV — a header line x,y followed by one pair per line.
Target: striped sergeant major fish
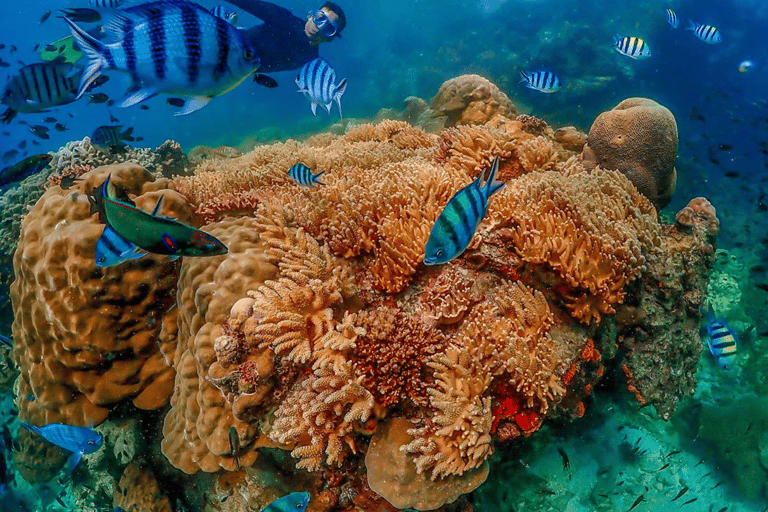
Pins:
x,y
39,87
106,4
672,18
152,233
706,33
302,175
631,46
457,223
111,137
317,80
720,338
78,440
543,81
170,46
225,13
294,502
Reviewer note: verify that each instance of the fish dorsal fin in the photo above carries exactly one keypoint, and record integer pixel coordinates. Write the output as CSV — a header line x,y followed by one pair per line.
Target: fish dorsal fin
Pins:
x,y
158,205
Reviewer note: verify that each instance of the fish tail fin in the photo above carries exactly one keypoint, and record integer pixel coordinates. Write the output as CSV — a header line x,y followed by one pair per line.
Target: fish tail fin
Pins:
x,y
317,176
691,25
491,184
524,78
127,135
94,50
617,38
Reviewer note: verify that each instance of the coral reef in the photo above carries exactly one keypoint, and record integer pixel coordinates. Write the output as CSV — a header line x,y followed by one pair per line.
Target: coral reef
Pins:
x,y
322,342
80,350
639,138
702,208
37,460
470,99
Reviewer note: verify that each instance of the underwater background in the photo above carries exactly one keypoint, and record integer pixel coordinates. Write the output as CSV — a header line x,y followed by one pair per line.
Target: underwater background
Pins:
x,y
712,450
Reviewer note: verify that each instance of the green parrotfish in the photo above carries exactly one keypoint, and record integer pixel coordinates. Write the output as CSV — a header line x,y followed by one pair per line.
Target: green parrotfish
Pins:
x,y
155,234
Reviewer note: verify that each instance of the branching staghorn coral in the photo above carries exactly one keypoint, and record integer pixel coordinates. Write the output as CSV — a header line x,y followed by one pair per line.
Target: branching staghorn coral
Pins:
x,y
593,230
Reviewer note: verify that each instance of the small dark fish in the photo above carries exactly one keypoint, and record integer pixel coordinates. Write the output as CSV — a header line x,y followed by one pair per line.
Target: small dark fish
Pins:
x,y
723,509
50,48
61,502
39,130
758,268
638,501
60,127
45,16
620,483
266,81
725,147
111,103
689,502
4,64
139,139
762,286
9,154
603,496
732,174
36,47
566,462
234,445
175,102
113,119
662,468
681,493
749,427
144,107
49,120
22,144
68,180
13,49
673,452
98,97
35,143
101,80
2,47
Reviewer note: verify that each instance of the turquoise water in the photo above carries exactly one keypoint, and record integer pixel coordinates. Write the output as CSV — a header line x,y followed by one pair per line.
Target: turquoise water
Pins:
x,y
714,446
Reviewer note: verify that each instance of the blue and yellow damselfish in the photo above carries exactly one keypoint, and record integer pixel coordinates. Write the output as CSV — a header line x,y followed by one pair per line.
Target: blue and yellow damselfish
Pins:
x,y
155,234
457,223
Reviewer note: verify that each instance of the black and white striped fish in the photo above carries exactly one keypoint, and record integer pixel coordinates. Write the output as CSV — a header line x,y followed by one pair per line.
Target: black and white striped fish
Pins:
x,y
225,13
170,46
672,18
317,80
706,33
631,46
38,87
721,339
106,4
302,175
544,81
111,137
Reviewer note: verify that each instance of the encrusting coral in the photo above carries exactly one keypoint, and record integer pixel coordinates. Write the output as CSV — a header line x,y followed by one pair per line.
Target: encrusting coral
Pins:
x,y
320,329
471,99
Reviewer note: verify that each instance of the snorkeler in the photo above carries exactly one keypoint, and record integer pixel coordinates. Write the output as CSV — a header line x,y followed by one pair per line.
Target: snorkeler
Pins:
x,y
284,41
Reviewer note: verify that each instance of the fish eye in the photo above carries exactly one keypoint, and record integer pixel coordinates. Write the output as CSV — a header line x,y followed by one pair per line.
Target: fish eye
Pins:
x,y
248,54
439,253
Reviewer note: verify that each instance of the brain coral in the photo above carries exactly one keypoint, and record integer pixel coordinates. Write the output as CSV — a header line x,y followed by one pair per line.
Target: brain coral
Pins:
x,y
471,99
639,138
79,349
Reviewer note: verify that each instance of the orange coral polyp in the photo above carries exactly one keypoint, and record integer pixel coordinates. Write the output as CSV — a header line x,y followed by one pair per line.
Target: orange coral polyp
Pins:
x,y
590,353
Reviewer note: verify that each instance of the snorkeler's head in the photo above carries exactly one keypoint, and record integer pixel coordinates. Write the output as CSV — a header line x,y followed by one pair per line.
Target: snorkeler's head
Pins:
x,y
325,23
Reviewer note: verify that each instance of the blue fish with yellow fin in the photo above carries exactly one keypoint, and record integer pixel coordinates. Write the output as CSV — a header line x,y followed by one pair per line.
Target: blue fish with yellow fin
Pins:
x,y
295,502
457,223
720,338
78,440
